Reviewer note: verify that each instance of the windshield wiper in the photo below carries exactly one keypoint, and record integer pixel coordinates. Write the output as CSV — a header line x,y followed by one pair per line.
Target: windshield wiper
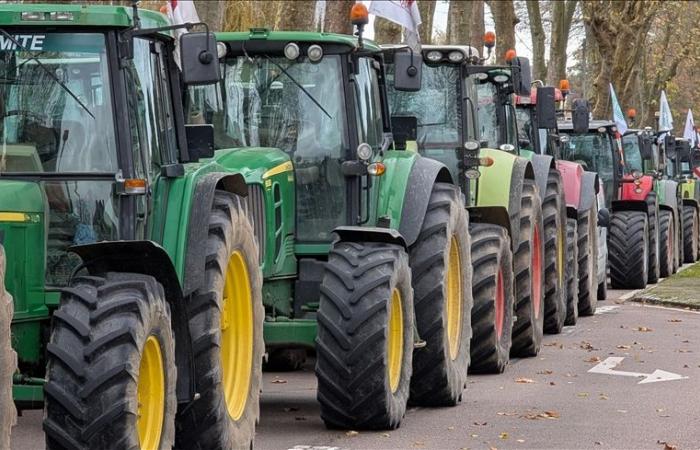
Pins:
x,y
303,89
51,74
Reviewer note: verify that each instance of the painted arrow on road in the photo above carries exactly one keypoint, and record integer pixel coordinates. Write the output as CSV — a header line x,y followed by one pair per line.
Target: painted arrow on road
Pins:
x,y
606,367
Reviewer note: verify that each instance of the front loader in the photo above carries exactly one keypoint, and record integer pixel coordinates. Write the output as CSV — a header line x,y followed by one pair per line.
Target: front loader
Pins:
x,y
499,190
130,255
365,249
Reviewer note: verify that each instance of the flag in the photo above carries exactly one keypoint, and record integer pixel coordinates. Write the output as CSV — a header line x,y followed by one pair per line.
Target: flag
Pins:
x,y
402,12
665,116
618,117
689,131
180,12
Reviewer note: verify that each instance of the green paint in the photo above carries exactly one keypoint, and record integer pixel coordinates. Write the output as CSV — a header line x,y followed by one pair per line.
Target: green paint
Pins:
x,y
393,185
290,333
83,15
298,36
494,182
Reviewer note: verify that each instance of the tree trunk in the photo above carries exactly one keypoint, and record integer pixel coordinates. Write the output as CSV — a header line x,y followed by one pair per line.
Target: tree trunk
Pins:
x,y
337,18
505,19
539,69
562,16
242,15
476,38
427,11
296,15
211,12
458,20
386,31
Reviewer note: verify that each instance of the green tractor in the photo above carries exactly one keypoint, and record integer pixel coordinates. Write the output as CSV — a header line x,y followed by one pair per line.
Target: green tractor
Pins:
x,y
8,360
364,248
130,255
685,163
457,120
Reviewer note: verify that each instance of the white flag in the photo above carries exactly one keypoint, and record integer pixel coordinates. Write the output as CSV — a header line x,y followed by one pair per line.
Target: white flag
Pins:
x,y
179,12
618,117
402,12
689,131
665,116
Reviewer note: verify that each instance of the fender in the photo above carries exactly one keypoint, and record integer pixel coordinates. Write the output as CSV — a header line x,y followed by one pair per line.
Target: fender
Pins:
x,y
590,187
542,164
198,228
522,170
490,214
404,199
691,202
149,258
369,234
572,177
668,194
628,191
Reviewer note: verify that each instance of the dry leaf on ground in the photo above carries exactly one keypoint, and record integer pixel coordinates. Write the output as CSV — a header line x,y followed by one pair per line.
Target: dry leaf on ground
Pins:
x,y
351,433
644,329
524,380
624,347
593,359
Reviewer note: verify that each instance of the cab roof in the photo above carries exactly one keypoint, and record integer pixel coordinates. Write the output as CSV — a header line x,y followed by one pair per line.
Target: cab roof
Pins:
x,y
83,15
262,34
593,125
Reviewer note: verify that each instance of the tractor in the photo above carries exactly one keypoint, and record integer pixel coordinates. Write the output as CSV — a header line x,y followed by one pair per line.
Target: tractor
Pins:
x,y
130,254
684,164
499,190
539,134
365,248
8,360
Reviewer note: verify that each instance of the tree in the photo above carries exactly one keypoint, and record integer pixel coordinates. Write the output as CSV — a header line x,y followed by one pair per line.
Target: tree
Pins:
x,y
539,68
242,15
476,39
562,16
386,31
427,11
458,21
505,20
337,17
296,15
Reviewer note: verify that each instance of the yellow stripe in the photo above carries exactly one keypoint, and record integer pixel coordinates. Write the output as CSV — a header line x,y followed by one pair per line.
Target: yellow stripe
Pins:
x,y
13,217
284,167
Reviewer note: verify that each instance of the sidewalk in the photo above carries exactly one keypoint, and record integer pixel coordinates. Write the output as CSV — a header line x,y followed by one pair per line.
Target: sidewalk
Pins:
x,y
680,290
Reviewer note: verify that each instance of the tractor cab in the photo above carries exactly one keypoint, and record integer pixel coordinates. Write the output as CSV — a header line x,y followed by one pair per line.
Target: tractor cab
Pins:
x,y
536,121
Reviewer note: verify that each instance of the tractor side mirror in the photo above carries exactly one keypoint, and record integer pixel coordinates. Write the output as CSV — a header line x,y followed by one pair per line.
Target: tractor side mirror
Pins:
x,y
579,116
198,59
646,147
404,128
522,76
603,217
407,71
695,158
546,108
670,146
200,141
683,148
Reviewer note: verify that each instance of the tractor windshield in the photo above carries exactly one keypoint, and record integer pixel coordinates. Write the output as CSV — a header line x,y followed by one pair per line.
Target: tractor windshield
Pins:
x,y
55,104
436,107
594,152
487,112
632,154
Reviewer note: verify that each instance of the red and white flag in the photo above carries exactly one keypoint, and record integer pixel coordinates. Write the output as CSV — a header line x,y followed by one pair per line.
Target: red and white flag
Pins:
x,y
182,11
402,12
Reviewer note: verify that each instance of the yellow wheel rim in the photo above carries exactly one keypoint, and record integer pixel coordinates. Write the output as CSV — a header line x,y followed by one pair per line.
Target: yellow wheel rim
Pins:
x,y
150,394
454,299
236,336
395,340
560,255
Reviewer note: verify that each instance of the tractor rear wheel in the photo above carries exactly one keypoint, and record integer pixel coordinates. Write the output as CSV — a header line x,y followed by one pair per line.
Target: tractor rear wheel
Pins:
x,y
587,262
8,360
365,336
554,220
691,229
225,323
492,289
441,274
528,263
653,270
628,249
571,272
667,242
111,366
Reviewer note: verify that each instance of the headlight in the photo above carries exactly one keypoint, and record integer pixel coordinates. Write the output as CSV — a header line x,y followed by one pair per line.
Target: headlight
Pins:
x,y
455,56
501,78
364,151
434,56
315,53
291,51
221,49
472,145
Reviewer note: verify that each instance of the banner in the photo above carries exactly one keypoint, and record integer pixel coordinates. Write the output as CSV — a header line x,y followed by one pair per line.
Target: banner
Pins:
x,y
402,12
618,117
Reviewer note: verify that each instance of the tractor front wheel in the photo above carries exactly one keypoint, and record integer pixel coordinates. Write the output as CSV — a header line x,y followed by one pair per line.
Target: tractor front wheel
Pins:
x,y
365,338
111,366
628,249
587,263
554,219
691,229
441,273
225,323
667,242
571,272
8,360
528,263
492,289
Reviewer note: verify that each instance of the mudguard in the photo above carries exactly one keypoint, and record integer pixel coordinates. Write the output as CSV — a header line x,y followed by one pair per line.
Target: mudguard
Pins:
x,y
590,187
404,199
667,194
149,258
629,188
368,234
541,164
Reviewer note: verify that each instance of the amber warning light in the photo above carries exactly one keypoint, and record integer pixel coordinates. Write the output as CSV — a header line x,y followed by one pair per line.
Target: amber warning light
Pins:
x,y
359,14
489,39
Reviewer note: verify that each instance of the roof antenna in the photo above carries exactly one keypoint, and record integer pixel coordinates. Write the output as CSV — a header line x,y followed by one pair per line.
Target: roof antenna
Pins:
x,y
135,10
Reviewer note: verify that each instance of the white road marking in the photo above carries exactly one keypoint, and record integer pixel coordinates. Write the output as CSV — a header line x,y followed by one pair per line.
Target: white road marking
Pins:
x,y
606,309
606,368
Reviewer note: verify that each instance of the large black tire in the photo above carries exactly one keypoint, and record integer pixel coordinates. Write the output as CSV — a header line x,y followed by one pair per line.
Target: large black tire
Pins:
x,y
667,243
216,420
353,360
492,288
653,270
571,272
8,360
691,230
441,274
103,331
554,220
528,263
587,262
628,249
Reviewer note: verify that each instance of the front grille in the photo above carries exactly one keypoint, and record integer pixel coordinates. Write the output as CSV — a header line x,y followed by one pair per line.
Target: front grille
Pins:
x,y
256,212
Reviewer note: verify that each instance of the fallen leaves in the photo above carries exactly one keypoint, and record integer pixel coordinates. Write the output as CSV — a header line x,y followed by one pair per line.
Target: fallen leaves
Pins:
x,y
593,359
667,446
503,436
587,346
582,395
545,372
624,347
541,415
643,329
524,380
513,413
278,381
674,320
351,433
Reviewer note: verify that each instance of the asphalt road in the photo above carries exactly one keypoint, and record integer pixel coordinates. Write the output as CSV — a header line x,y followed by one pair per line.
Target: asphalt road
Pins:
x,y
551,401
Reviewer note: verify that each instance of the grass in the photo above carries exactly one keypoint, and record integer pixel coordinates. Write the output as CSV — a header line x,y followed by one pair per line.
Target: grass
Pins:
x,y
680,290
